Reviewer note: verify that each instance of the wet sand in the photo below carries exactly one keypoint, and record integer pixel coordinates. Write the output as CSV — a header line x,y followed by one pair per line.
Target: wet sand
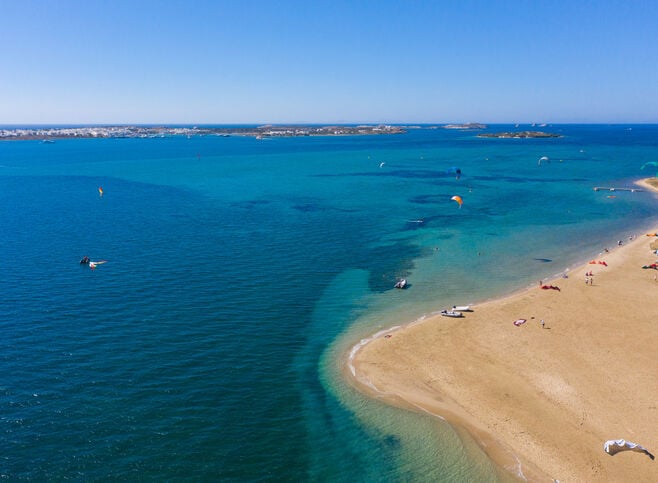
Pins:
x,y
540,401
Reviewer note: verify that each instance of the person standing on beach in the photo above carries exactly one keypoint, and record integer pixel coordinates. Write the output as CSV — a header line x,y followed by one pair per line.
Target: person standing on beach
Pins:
x,y
542,323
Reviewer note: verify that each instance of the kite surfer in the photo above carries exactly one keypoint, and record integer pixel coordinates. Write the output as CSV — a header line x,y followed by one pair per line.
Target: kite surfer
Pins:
x,y
93,265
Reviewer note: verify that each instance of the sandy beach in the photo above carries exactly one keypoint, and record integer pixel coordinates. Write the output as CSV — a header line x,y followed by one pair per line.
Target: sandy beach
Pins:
x,y
540,400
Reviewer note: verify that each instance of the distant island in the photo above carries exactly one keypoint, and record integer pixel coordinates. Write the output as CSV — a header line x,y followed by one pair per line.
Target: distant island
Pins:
x,y
269,131
520,135
470,125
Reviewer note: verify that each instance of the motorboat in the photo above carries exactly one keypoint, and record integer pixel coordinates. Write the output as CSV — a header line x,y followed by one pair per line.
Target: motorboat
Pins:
x,y
451,313
462,308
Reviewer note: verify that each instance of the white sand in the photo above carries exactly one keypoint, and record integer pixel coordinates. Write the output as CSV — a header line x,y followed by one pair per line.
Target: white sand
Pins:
x,y
541,402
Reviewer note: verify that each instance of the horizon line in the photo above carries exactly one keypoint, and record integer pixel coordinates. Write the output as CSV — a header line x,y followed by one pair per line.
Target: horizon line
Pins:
x,y
315,123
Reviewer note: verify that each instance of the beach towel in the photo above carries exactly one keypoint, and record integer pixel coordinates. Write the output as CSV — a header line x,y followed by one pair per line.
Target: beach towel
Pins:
x,y
518,322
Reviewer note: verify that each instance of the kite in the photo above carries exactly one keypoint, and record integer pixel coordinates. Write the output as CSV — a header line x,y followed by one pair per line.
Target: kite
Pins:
x,y
100,191
543,158
458,199
614,446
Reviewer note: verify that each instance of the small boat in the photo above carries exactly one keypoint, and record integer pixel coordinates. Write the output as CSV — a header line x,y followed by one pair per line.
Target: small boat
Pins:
x,y
451,313
462,308
402,283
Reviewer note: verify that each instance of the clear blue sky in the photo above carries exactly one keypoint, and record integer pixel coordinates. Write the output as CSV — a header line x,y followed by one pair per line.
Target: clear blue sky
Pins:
x,y
243,61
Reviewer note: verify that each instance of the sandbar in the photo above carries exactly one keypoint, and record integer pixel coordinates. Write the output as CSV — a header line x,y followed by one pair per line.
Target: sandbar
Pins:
x,y
540,401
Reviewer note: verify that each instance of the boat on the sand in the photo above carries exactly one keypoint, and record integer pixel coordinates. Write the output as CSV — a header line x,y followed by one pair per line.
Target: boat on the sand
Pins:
x,y
451,313
462,308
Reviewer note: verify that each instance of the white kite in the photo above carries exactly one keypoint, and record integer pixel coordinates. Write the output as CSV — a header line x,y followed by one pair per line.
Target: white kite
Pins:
x,y
614,446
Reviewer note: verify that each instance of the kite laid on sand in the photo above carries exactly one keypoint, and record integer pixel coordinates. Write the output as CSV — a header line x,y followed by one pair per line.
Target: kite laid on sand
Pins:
x,y
614,446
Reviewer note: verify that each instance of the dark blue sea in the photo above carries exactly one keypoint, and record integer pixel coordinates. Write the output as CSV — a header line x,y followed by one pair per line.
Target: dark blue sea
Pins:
x,y
212,345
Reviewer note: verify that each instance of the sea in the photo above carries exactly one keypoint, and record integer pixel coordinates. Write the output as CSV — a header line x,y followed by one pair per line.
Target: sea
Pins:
x,y
214,344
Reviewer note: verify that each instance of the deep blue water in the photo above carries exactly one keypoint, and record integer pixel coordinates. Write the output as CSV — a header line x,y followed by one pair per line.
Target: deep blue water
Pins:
x,y
239,274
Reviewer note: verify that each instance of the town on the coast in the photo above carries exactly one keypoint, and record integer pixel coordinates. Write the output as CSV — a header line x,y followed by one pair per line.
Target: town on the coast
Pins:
x,y
267,131
51,133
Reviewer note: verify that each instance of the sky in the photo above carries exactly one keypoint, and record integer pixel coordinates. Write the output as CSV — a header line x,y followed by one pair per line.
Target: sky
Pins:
x,y
286,61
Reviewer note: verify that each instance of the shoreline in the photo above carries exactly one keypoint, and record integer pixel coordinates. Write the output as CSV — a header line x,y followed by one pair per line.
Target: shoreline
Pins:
x,y
539,402
50,134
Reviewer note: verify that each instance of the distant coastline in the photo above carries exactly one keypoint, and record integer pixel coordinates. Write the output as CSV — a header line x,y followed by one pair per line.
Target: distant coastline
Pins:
x,y
470,125
520,135
267,131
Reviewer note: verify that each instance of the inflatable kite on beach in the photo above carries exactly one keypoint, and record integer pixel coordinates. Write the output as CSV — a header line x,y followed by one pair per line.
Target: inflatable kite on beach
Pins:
x,y
614,446
550,287
599,262
458,199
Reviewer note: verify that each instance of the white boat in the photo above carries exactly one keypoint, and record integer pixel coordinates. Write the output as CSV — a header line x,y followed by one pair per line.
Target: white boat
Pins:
x,y
451,313
402,283
462,308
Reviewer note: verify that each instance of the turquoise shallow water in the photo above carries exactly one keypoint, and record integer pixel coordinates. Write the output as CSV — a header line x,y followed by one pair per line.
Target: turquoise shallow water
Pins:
x,y
240,272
